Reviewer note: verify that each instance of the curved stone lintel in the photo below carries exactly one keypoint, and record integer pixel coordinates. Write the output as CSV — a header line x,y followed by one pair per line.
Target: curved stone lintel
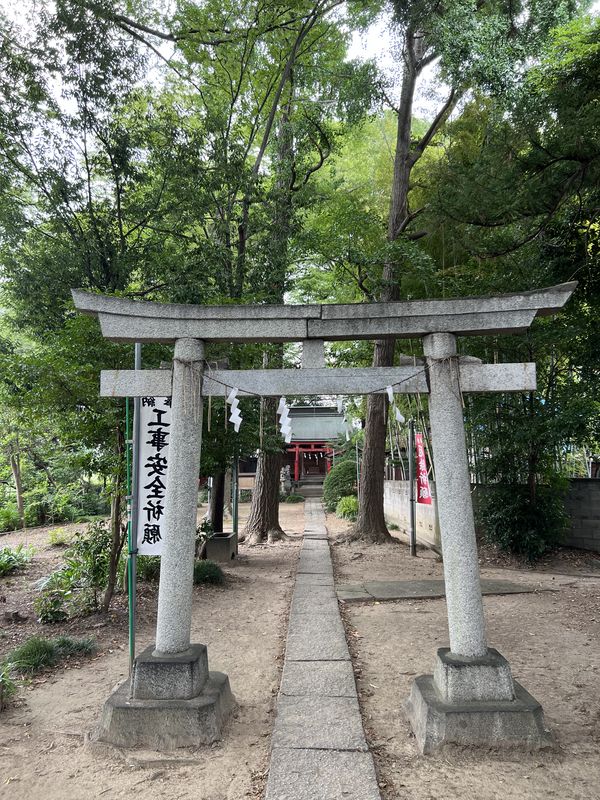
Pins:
x,y
133,320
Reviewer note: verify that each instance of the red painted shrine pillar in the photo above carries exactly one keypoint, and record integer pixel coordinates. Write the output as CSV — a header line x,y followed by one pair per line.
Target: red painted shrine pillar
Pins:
x,y
297,465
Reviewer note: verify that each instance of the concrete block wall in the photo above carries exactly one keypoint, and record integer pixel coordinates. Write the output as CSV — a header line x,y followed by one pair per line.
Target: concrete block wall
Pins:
x,y
583,507
396,504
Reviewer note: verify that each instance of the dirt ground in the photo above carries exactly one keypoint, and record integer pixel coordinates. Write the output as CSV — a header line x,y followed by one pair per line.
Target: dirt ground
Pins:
x,y
551,638
45,752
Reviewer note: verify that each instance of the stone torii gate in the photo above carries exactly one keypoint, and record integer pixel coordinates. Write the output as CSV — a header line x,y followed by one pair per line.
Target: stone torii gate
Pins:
x,y
171,699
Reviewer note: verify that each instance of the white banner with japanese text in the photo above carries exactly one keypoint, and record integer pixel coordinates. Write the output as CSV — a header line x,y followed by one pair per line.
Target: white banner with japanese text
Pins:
x,y
423,489
154,430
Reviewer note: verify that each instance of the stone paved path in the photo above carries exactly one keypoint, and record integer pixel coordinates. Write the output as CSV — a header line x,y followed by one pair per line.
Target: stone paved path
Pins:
x,y
422,589
319,750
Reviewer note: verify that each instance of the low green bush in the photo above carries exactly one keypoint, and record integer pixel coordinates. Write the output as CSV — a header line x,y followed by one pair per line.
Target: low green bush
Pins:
x,y
9,518
208,572
347,507
516,524
74,589
148,568
33,655
67,646
7,685
11,560
51,604
294,498
37,653
340,482
59,537
245,495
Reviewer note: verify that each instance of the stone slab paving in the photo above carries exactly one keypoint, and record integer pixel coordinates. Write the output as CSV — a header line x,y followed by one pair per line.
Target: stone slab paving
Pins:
x,y
318,750
421,589
321,775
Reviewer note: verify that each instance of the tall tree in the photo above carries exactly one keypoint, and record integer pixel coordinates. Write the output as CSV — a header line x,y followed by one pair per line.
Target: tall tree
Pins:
x,y
477,45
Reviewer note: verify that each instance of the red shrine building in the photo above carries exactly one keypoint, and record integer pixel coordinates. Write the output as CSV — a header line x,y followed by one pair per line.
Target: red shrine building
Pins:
x,y
315,429
310,454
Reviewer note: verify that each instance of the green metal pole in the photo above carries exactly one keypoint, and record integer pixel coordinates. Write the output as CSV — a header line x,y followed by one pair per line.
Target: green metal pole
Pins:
x,y
130,583
235,490
132,476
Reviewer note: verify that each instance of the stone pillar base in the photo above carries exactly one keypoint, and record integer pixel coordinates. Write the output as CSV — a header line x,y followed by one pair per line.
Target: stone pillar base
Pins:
x,y
474,702
167,724
170,677
462,680
170,701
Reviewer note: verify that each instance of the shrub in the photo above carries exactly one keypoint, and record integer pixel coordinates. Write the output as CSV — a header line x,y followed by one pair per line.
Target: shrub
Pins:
x,y
67,646
148,568
245,495
74,589
33,655
340,482
7,685
347,507
515,524
294,498
9,518
59,537
208,572
51,606
11,560
37,653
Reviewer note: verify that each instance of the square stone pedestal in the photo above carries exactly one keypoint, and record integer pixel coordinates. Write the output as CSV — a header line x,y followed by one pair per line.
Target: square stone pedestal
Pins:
x,y
222,547
474,702
169,702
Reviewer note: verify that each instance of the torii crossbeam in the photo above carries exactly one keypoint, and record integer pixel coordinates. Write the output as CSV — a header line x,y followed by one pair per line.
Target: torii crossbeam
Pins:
x,y
472,697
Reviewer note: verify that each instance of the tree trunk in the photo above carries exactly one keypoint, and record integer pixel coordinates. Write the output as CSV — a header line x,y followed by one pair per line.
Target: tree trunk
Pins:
x,y
263,522
15,465
227,510
370,524
217,496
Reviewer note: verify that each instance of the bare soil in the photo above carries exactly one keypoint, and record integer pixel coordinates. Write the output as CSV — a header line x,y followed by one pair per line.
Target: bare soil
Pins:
x,y
551,638
45,750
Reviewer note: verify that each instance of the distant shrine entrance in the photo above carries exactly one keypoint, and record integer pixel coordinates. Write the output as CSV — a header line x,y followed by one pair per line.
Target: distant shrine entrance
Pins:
x,y
471,698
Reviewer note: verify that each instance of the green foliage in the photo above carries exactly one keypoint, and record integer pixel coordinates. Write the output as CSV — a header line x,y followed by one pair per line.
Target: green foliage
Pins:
x,y
340,482
347,507
59,537
37,653
67,646
9,518
51,604
294,498
73,589
11,560
245,495
517,523
87,559
208,572
148,568
7,685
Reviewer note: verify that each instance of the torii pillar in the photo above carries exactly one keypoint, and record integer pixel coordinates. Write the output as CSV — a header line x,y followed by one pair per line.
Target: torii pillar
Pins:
x,y
171,699
471,698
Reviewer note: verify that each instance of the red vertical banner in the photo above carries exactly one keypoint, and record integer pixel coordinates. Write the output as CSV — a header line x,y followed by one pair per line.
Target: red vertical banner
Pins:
x,y
423,490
